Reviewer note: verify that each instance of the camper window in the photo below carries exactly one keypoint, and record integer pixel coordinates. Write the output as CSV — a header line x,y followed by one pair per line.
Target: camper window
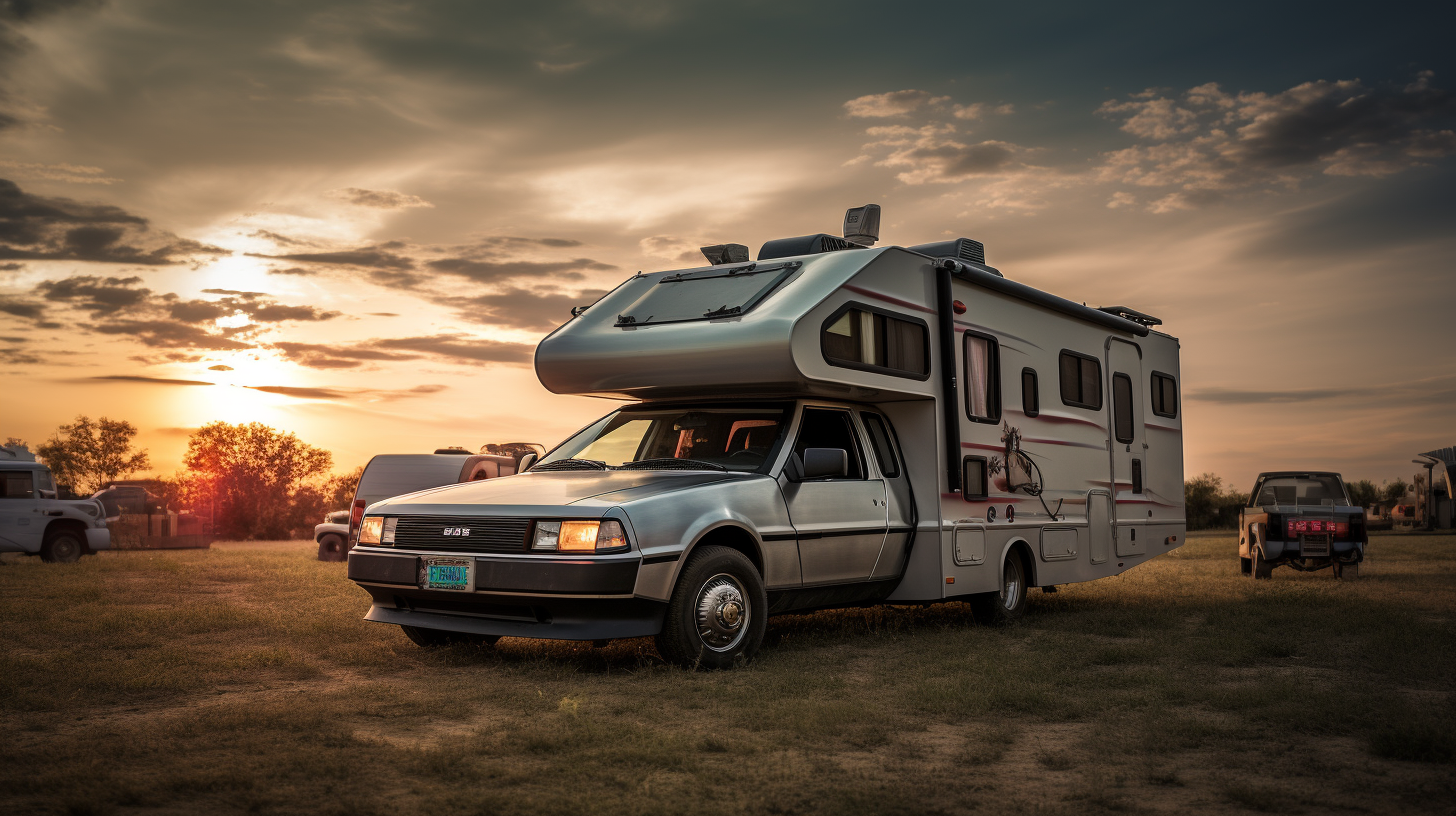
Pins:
x,y
1165,395
871,339
827,428
983,378
711,293
1081,380
1030,393
1122,408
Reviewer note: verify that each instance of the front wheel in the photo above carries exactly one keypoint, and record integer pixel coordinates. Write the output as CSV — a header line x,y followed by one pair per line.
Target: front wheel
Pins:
x,y
62,547
430,638
331,548
1005,606
718,612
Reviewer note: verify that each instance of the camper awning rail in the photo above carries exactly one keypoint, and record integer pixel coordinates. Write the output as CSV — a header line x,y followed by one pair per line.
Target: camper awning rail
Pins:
x,y
972,273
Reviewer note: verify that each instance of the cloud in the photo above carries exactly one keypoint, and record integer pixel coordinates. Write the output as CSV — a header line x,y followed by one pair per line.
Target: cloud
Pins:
x,y
1208,141
306,392
171,334
380,199
299,392
323,356
522,308
1440,391
100,296
893,103
70,173
14,339
150,380
21,308
931,159
461,348
37,228
375,257
220,367
679,250
493,271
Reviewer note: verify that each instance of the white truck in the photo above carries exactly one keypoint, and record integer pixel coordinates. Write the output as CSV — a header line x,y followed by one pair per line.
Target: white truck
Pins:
x,y
832,424
33,521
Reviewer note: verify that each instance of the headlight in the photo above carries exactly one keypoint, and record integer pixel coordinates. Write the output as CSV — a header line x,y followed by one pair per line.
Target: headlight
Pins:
x,y
579,536
370,530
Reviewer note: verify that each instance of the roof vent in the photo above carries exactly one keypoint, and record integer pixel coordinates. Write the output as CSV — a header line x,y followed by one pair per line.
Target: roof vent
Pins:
x,y
725,253
453,451
804,245
963,249
1132,314
862,225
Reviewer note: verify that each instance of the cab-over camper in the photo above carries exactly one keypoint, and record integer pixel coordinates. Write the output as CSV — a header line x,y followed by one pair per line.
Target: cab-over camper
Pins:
x,y
830,424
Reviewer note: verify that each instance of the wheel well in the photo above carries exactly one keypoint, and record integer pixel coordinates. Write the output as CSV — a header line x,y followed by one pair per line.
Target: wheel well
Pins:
x,y
1020,549
67,525
734,538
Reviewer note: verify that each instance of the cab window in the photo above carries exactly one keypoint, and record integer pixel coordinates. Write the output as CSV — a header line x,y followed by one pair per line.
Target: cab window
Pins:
x,y
830,428
16,484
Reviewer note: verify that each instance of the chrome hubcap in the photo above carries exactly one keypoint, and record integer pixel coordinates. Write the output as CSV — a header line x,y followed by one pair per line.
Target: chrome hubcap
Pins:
x,y
722,612
1011,587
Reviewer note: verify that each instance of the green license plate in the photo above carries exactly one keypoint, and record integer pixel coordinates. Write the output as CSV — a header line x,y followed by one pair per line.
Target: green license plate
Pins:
x,y
453,574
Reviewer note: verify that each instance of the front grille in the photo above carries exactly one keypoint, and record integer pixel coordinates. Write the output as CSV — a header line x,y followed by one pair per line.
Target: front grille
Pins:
x,y
486,534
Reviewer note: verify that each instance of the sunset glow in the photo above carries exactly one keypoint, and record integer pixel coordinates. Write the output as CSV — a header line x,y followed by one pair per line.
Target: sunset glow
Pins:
x,y
356,226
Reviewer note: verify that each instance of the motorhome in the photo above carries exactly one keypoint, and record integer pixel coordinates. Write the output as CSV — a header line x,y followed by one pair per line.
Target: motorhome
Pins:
x,y
831,424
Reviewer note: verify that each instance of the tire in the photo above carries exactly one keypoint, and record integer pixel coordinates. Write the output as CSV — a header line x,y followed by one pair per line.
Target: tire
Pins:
x,y
430,638
1262,569
718,612
1007,604
331,548
62,547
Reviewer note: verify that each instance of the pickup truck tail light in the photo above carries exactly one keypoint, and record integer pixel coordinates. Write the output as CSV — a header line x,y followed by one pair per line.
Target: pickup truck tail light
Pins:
x,y
1301,526
356,515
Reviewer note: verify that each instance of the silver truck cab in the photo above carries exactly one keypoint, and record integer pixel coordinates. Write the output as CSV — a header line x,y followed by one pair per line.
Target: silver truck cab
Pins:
x,y
33,521
830,425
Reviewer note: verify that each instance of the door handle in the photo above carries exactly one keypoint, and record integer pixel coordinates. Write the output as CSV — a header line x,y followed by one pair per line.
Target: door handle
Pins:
x,y
55,513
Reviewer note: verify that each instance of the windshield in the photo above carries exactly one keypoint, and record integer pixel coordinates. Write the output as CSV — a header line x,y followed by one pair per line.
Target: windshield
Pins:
x,y
1312,489
689,437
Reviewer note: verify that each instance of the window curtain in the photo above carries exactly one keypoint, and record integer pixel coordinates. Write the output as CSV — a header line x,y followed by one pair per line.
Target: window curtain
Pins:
x,y
978,355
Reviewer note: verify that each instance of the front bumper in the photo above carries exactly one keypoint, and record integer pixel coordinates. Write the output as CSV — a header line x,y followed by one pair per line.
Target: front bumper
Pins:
x,y
554,598
98,538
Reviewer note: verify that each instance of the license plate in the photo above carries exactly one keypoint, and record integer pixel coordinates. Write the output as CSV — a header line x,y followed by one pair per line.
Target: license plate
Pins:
x,y
453,574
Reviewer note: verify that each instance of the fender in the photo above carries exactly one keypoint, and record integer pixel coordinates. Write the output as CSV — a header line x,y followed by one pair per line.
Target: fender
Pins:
x,y
657,577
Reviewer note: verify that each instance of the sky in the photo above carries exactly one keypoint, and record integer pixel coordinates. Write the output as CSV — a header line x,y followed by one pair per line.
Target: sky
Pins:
x,y
353,220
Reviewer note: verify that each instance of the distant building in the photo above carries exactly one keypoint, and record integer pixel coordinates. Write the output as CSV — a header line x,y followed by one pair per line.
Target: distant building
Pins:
x,y
1433,489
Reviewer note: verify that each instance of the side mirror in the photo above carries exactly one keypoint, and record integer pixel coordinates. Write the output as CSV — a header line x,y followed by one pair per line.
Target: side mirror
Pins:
x,y
821,463
526,461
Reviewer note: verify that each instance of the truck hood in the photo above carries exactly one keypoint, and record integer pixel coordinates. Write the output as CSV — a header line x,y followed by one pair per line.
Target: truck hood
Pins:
x,y
534,493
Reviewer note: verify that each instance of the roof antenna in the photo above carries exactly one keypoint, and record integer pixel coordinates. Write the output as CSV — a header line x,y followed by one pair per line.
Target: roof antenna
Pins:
x,y
726,253
862,225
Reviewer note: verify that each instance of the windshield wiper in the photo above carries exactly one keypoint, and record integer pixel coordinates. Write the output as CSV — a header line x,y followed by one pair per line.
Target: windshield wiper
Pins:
x,y
571,464
670,463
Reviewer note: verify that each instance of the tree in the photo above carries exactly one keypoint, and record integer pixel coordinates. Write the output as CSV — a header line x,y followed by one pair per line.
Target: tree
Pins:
x,y
1363,493
261,481
1208,505
1396,490
339,489
87,455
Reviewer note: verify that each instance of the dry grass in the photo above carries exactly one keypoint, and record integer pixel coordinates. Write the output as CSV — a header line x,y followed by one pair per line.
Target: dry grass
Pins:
x,y
244,681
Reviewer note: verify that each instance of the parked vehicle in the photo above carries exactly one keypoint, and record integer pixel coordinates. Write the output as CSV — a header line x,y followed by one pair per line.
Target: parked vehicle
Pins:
x,y
1304,520
830,425
128,499
333,536
395,474
35,522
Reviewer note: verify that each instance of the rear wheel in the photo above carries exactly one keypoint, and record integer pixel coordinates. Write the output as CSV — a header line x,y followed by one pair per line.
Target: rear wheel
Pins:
x,y
429,638
62,547
1006,605
718,612
331,548
1262,568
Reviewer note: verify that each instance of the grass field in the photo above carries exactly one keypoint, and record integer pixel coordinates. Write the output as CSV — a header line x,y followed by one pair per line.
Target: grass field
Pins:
x,y
244,681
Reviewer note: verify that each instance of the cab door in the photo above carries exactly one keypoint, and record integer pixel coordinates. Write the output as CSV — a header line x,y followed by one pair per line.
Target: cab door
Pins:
x,y
840,522
21,524
900,500
1129,449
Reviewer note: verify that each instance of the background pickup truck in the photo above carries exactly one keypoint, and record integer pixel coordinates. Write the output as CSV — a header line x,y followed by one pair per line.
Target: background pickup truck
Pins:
x,y
35,522
1304,520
